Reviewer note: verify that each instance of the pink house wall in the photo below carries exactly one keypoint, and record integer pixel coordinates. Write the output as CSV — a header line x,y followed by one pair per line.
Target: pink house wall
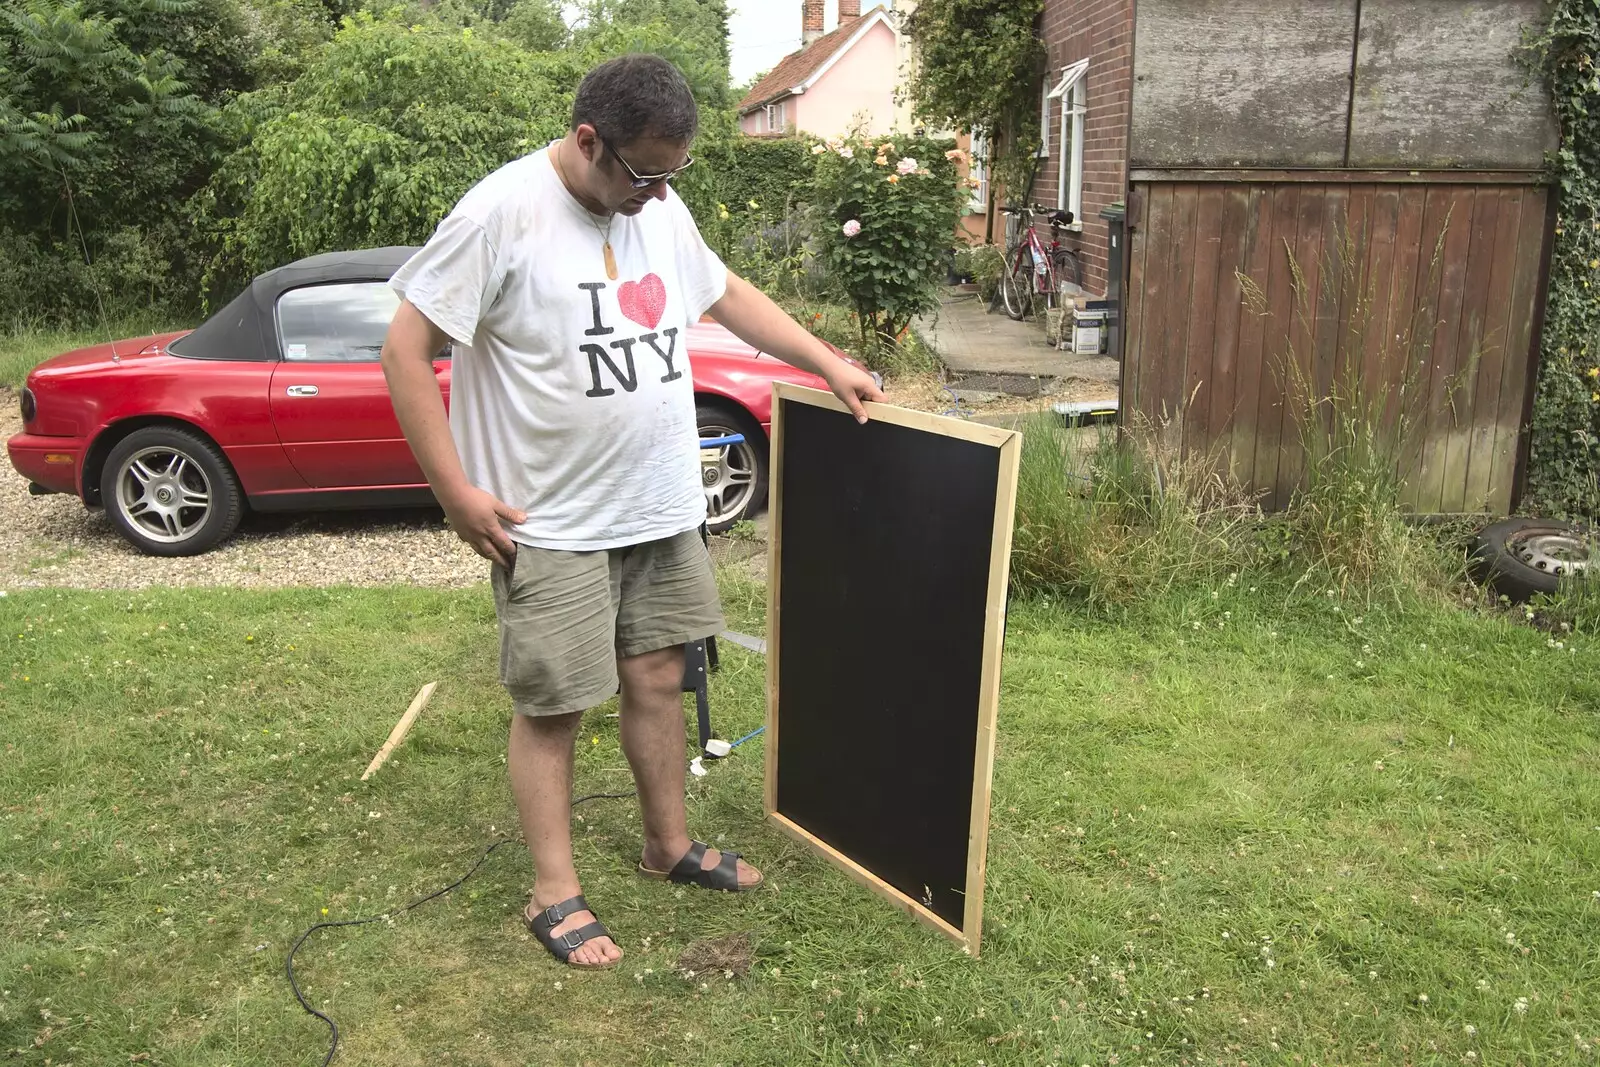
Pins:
x,y
863,79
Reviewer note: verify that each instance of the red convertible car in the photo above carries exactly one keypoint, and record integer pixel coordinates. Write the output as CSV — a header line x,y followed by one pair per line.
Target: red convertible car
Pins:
x,y
277,402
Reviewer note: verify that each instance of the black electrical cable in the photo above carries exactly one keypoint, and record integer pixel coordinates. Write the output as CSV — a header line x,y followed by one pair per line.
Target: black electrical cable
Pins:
x,y
288,965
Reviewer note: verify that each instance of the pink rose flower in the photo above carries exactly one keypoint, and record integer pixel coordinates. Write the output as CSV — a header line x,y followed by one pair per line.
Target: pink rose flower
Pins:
x,y
906,166
852,227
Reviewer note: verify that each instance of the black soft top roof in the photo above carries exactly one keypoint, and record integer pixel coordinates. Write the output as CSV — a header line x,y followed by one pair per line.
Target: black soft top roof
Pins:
x,y
243,328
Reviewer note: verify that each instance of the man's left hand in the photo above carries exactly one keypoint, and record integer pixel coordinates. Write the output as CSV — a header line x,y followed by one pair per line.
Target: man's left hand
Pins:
x,y
853,385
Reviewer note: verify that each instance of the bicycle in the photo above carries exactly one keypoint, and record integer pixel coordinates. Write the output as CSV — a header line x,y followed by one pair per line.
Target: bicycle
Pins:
x,y
1031,269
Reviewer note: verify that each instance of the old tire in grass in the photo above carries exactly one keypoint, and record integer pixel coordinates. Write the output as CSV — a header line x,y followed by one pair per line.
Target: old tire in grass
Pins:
x,y
1518,558
170,492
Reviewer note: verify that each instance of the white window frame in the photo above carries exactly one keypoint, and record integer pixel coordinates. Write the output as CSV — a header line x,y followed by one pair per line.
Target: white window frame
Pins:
x,y
1069,171
978,170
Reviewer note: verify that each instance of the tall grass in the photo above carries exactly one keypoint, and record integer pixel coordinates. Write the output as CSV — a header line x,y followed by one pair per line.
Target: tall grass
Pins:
x,y
23,345
1348,523
1114,520
1573,609
1111,522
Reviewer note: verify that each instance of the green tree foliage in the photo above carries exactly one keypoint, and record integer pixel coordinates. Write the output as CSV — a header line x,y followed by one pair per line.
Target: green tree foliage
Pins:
x,y
108,122
97,119
536,25
693,34
1564,457
979,63
740,185
377,140
145,143
886,209
289,32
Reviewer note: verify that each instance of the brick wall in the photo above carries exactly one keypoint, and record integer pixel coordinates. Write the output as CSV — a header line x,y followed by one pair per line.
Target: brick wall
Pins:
x,y
1100,31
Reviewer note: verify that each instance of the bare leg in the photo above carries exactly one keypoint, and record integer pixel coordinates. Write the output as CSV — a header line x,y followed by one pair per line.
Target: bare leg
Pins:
x,y
539,758
653,741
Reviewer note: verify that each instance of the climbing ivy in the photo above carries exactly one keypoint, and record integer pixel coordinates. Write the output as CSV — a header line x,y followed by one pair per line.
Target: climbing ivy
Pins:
x,y
1564,454
979,63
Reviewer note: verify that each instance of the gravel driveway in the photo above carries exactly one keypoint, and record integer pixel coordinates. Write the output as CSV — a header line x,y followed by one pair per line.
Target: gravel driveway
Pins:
x,y
56,541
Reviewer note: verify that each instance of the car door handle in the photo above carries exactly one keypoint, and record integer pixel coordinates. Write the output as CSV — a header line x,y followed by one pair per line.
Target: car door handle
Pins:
x,y
302,390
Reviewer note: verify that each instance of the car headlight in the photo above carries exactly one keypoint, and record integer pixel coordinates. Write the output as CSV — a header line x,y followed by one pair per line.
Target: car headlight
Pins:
x,y
30,405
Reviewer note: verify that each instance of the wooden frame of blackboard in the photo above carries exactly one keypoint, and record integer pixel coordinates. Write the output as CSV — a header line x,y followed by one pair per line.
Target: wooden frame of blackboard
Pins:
x,y
1008,442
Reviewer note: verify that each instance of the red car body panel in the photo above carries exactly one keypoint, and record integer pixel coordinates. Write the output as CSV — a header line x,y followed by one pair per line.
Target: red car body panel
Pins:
x,y
345,438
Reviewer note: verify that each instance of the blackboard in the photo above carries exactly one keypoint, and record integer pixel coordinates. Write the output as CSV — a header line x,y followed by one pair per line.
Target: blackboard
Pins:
x,y
889,547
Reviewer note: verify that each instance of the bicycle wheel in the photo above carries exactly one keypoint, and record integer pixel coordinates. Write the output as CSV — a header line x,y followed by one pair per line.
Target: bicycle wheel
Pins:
x,y
1068,263
1016,283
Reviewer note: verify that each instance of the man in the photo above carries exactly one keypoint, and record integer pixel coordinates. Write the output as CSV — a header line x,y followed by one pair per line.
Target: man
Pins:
x,y
570,457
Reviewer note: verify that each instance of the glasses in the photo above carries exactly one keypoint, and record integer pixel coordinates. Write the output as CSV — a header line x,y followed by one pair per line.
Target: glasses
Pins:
x,y
645,181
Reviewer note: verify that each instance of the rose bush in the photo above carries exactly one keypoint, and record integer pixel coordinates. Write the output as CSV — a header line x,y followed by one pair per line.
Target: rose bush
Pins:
x,y
887,209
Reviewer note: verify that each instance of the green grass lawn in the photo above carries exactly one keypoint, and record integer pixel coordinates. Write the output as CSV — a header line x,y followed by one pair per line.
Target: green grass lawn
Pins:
x,y
1242,831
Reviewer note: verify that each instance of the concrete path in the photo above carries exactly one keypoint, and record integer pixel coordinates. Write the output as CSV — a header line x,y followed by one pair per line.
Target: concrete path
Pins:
x,y
971,341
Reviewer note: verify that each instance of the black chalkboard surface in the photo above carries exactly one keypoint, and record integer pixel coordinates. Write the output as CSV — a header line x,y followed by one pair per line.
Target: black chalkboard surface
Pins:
x,y
889,550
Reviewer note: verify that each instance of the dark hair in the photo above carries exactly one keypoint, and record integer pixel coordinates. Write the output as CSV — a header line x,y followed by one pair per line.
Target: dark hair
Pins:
x,y
636,96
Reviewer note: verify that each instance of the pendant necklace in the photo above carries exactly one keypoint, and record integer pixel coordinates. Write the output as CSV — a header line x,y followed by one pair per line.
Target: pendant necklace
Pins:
x,y
605,234
611,259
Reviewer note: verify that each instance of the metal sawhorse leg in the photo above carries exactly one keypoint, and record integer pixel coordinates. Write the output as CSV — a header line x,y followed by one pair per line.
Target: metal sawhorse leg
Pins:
x,y
700,658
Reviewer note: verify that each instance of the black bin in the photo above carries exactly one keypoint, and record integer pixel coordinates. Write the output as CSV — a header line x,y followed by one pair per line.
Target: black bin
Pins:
x,y
1116,230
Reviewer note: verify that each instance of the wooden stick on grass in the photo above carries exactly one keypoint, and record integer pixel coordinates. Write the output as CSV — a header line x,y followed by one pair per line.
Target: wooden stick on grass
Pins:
x,y
401,728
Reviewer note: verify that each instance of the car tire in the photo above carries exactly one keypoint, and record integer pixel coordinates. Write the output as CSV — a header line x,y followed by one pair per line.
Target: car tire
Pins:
x,y
1520,558
735,482
170,492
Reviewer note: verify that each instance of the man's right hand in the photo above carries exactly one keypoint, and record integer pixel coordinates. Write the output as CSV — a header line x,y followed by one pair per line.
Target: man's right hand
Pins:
x,y
475,516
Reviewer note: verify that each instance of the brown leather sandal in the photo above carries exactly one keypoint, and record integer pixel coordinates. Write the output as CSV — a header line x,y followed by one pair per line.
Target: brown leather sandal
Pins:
x,y
564,945
688,871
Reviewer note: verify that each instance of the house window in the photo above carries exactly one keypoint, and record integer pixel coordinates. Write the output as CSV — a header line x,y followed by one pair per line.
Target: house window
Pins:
x,y
1069,169
778,117
979,172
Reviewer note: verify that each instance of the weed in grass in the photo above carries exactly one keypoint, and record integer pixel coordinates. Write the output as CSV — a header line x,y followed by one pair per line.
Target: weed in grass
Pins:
x,y
1573,609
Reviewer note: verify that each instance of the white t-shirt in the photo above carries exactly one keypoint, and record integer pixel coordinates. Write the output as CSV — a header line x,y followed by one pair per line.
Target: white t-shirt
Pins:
x,y
570,395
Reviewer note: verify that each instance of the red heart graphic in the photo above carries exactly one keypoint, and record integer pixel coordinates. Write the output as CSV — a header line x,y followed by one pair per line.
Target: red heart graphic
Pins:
x,y
643,301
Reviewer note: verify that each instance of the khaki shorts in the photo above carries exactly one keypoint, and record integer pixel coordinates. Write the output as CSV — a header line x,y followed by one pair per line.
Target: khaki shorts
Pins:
x,y
567,617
